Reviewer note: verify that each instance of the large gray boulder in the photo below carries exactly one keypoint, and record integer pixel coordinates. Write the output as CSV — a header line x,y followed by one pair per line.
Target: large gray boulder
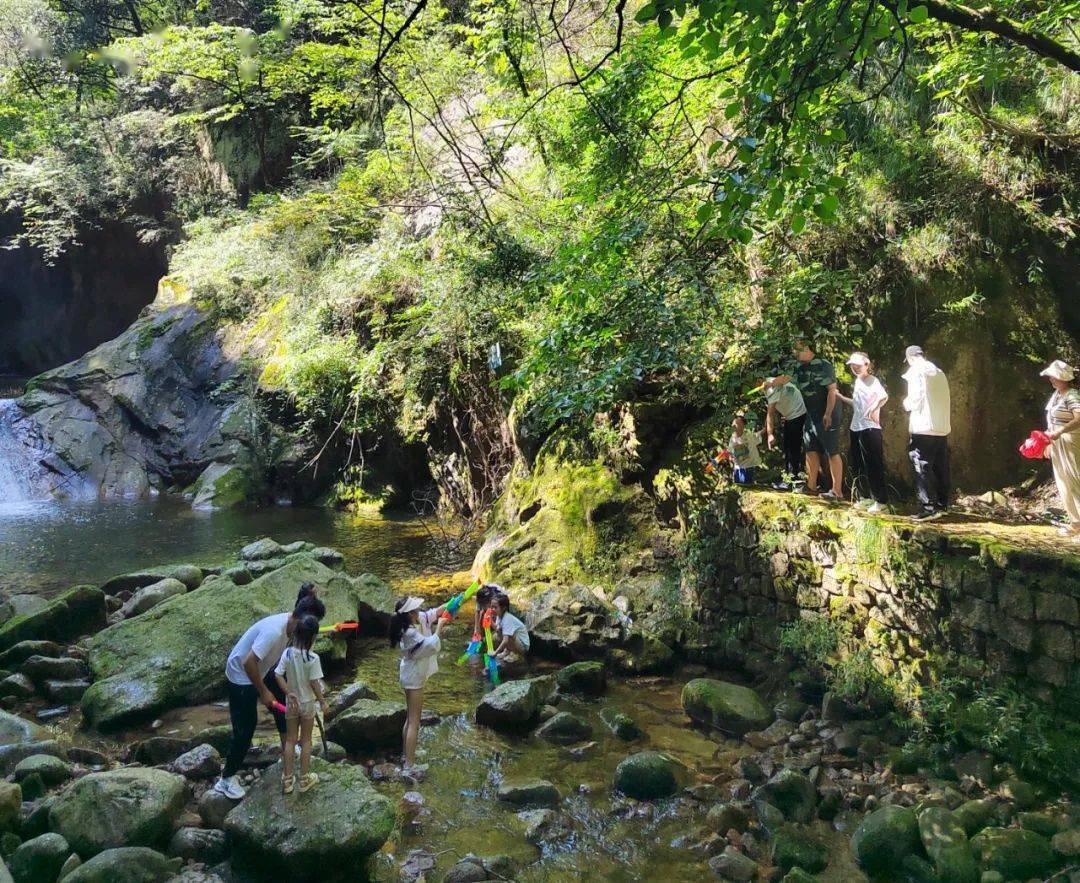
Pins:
x,y
190,575
884,838
40,859
152,595
78,611
175,653
368,724
127,807
324,834
728,707
129,864
514,705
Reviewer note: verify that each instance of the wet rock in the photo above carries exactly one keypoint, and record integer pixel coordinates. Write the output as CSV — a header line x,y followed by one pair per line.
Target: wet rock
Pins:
x,y
332,558
222,486
52,770
33,786
124,807
830,802
728,707
777,732
132,864
190,575
1067,843
158,750
87,756
213,807
346,697
585,678
73,861
1014,853
727,816
468,870
974,815
207,845
335,825
514,705
733,865
47,714
368,724
262,549
15,730
237,574
770,817
22,651
1021,793
18,686
66,692
565,729
647,775
884,837
792,793
146,664
946,843
201,762
71,614
795,847
622,725
540,824
39,860
748,768
152,595
42,668
535,792
10,806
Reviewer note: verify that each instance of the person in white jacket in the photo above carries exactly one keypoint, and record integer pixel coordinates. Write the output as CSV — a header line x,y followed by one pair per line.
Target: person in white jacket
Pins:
x,y
415,633
928,406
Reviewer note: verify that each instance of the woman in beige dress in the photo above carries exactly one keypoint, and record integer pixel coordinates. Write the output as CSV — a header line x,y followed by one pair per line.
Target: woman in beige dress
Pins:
x,y
1063,426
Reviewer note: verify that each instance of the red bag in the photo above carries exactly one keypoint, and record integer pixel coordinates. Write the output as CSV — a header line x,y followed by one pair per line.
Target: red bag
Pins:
x,y
1035,445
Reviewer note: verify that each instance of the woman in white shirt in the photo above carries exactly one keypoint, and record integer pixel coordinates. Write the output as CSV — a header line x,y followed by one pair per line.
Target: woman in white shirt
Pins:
x,y
415,633
868,396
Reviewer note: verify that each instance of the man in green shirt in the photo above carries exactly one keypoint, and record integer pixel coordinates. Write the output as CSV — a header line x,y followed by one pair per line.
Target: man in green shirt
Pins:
x,y
816,380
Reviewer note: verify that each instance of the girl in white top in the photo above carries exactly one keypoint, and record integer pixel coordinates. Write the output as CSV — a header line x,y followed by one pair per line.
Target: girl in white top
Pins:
x,y
415,633
513,634
868,397
299,674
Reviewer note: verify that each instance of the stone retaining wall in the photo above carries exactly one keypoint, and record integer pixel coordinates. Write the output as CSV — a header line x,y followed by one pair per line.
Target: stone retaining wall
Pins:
x,y
909,590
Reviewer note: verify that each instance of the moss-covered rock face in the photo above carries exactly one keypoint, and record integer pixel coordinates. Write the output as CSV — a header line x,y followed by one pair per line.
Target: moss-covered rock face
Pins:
x,y
324,834
130,864
1014,853
176,652
78,611
647,775
368,724
728,707
884,838
222,486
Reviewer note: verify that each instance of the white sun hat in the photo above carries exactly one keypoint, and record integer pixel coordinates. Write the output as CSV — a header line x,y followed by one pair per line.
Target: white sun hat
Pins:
x,y
411,603
858,359
1059,370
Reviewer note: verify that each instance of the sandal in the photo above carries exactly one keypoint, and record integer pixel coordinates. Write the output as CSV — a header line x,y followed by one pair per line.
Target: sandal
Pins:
x,y
308,782
287,783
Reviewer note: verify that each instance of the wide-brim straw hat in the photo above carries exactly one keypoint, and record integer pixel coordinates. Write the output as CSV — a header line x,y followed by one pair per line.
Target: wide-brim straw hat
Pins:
x,y
1059,370
411,603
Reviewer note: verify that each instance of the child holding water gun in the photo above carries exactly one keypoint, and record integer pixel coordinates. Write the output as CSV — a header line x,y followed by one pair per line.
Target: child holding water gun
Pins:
x,y
743,446
514,636
299,674
415,633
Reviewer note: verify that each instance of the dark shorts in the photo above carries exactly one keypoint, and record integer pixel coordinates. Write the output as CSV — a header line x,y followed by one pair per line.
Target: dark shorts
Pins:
x,y
818,439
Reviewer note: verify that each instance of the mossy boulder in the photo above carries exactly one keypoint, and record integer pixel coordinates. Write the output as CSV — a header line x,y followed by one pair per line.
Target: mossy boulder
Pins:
x,y
884,837
129,864
622,725
946,842
40,859
533,792
15,730
190,575
52,770
795,847
586,678
78,611
792,793
175,653
728,707
261,550
135,806
564,728
974,815
368,724
1014,853
152,595
223,486
647,775
514,705
10,806
324,834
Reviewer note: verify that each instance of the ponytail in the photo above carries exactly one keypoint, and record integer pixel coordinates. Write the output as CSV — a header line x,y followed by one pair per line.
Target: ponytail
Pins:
x,y
399,623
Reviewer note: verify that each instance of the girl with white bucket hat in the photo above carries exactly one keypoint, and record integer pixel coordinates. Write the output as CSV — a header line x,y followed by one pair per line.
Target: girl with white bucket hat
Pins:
x,y
1063,427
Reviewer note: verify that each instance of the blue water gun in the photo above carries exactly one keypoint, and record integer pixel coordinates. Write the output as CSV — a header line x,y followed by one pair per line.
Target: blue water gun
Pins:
x,y
472,650
489,656
454,604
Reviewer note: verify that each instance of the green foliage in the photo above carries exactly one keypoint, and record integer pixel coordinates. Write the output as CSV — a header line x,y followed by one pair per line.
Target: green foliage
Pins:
x,y
828,645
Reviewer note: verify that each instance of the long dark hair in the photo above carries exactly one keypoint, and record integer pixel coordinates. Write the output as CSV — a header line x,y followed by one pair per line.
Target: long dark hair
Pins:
x,y
305,633
485,593
399,623
309,605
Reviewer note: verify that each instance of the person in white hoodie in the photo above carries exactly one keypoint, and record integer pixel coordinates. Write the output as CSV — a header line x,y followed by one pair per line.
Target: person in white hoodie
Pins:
x,y
928,406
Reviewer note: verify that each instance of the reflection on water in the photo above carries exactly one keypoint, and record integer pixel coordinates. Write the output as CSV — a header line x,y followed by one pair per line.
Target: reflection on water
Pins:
x,y
45,547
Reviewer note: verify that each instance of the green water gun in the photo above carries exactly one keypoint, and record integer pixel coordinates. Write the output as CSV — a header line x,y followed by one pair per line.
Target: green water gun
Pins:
x,y
489,657
454,604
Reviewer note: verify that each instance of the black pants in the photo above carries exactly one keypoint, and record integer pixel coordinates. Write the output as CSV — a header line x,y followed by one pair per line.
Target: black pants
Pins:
x,y
244,717
868,460
930,460
793,448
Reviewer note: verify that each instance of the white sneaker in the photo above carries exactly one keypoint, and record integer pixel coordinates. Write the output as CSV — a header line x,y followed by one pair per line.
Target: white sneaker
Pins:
x,y
865,503
230,788
875,507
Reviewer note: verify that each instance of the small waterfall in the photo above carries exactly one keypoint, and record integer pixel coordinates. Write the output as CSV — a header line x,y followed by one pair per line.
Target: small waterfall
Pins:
x,y
22,477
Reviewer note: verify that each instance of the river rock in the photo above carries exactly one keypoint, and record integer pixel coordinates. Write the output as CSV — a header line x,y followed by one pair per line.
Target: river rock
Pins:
x,y
10,755
884,837
152,595
328,830
39,860
514,705
65,692
205,845
534,792
201,762
130,864
10,806
1014,853
332,558
71,614
724,817
346,697
1021,793
237,574
565,728
190,575
125,807
647,775
22,651
21,605
586,678
262,549
222,486
52,770
946,843
733,865
974,815
146,664
1067,843
792,793
42,668
18,686
795,847
540,824
214,807
368,724
622,725
728,707
15,730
